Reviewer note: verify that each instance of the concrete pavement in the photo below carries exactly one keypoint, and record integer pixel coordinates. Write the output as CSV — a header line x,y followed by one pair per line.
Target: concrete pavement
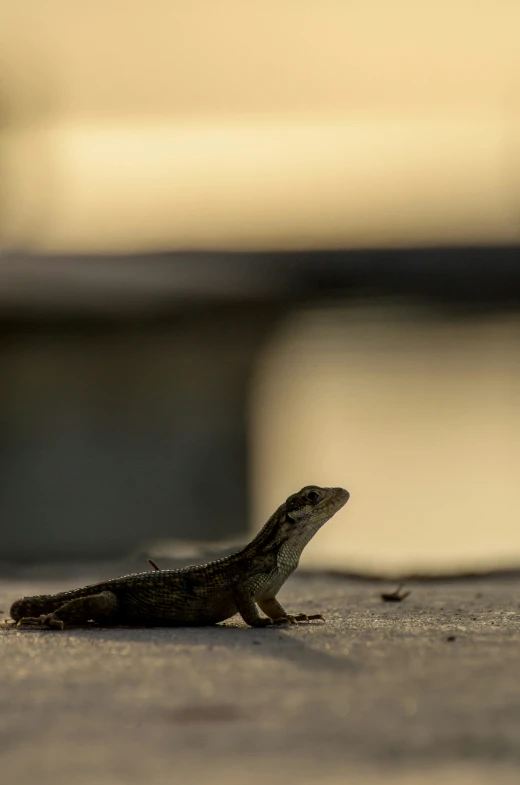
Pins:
x,y
423,691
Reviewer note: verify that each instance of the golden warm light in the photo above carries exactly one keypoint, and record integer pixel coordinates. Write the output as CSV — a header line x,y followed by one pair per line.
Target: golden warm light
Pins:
x,y
258,126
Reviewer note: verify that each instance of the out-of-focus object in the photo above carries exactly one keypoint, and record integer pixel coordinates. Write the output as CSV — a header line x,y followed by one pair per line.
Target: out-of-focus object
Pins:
x,y
417,414
127,127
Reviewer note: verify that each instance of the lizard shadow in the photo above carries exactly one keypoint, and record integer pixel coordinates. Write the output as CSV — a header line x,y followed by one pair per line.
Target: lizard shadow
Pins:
x,y
277,643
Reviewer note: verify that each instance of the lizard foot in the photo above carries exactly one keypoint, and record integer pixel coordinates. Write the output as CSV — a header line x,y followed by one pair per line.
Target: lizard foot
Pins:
x,y
288,619
45,620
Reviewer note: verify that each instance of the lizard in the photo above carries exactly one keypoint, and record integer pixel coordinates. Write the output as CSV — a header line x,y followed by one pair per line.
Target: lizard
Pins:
x,y
201,594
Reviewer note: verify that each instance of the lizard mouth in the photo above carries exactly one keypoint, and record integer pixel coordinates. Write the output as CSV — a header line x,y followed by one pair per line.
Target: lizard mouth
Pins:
x,y
342,495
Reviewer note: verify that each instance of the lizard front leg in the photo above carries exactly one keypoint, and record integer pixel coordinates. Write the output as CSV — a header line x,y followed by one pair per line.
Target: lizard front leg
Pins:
x,y
247,608
102,607
278,615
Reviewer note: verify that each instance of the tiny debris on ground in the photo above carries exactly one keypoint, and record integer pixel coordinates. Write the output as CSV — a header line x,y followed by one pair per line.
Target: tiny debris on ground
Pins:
x,y
395,596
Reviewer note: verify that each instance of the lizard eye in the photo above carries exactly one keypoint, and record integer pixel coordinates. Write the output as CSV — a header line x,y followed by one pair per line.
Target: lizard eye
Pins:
x,y
312,496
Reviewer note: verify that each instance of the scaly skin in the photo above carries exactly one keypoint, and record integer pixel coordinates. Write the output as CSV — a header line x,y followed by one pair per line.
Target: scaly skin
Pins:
x,y
206,593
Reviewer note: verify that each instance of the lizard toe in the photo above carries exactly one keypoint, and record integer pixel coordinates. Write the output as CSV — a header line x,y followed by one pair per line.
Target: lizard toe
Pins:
x,y
285,620
312,617
29,620
289,619
45,620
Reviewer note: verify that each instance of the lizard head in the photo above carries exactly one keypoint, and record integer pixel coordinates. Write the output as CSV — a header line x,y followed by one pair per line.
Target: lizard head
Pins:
x,y
314,505
306,511
297,520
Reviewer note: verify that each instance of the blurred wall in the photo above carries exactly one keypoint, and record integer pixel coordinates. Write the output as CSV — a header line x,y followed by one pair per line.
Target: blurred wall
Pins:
x,y
129,127
118,433
414,410
198,426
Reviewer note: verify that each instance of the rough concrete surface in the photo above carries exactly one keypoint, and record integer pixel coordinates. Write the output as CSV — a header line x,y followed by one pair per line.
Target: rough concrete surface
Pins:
x,y
417,692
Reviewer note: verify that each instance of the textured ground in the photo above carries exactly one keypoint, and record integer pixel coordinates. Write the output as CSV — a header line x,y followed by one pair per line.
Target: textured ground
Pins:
x,y
423,691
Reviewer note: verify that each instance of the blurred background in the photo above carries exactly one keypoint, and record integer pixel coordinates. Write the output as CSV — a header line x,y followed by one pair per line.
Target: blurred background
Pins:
x,y
249,247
